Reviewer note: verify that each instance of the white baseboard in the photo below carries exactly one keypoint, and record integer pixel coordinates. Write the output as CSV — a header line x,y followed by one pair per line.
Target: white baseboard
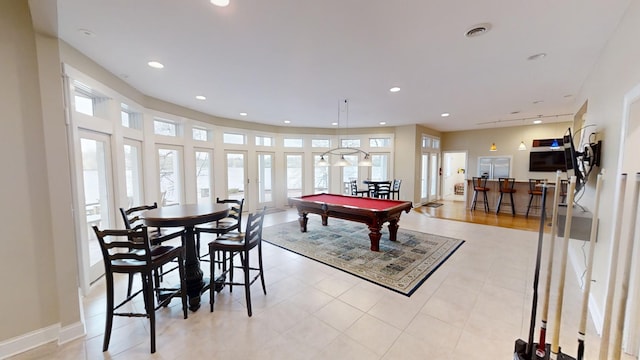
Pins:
x,y
594,310
33,339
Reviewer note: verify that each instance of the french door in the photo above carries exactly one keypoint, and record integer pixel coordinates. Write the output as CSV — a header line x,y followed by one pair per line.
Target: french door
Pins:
x,y
95,200
265,181
237,178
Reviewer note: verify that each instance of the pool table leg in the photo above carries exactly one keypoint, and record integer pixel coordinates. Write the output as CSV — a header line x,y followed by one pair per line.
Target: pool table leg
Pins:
x,y
374,237
302,220
393,230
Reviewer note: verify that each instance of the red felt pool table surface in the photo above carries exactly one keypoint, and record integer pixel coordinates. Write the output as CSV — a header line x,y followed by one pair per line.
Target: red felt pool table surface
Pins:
x,y
371,211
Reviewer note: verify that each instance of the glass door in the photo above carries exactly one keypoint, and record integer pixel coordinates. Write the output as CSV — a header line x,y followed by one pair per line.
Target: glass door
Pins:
x,y
204,176
96,201
294,175
265,179
434,173
237,176
424,179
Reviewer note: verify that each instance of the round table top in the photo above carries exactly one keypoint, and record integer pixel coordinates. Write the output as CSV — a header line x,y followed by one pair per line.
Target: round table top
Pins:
x,y
184,215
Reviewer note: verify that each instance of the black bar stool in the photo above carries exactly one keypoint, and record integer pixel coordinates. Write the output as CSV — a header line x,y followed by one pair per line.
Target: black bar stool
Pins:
x,y
506,187
480,185
535,191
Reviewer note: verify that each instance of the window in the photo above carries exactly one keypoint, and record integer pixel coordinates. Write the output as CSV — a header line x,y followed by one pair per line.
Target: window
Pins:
x,y
294,175
379,142
426,142
349,172
130,118
170,170
430,142
165,127
320,177
88,101
231,138
203,176
133,172
292,142
323,143
200,134
380,167
354,143
264,141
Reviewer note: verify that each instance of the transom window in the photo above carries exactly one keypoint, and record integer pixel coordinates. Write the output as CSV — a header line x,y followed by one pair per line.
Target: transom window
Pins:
x,y
323,143
231,138
354,143
292,142
379,142
264,141
165,127
130,118
200,134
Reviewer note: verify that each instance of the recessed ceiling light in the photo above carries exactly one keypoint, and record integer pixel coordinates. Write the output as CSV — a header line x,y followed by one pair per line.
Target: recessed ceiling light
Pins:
x,y
537,121
537,56
221,3
87,32
394,89
155,64
538,101
445,114
383,123
243,114
478,30
515,112
200,97
334,123
568,96
287,122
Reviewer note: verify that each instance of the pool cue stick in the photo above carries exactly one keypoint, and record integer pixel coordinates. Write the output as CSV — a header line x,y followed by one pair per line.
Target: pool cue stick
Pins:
x,y
542,346
613,267
534,305
555,347
624,290
587,281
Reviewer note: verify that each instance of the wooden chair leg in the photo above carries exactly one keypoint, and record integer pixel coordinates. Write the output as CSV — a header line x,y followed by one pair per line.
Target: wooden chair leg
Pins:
x,y
513,207
247,284
109,321
529,206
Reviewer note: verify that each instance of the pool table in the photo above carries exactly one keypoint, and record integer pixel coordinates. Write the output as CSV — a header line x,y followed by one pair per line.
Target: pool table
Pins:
x,y
371,211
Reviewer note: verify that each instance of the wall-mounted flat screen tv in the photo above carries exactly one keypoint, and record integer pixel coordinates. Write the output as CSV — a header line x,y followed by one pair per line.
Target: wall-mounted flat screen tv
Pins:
x,y
549,161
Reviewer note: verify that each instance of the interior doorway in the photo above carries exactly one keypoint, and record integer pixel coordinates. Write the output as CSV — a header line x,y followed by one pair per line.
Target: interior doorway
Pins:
x,y
454,175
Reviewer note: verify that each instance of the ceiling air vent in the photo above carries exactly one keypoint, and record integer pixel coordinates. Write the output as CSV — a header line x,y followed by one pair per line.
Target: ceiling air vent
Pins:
x,y
478,30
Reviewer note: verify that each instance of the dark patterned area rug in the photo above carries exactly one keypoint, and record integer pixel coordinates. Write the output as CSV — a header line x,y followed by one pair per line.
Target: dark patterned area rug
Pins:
x,y
401,266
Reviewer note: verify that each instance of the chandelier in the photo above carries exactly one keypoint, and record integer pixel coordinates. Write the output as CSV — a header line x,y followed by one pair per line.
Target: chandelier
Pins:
x,y
345,150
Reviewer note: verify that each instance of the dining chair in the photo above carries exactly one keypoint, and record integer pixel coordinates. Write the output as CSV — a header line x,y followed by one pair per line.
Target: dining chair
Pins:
x,y
132,219
357,192
129,251
239,243
232,222
384,190
395,189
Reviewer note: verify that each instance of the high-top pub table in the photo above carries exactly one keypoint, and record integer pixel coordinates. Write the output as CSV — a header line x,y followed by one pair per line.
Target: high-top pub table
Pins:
x,y
187,216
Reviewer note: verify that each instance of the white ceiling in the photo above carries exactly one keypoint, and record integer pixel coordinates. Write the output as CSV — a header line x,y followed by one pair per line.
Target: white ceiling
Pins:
x,y
297,60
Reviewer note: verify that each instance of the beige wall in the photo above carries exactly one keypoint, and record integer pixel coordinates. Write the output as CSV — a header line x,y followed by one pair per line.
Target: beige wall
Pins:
x,y
613,75
507,140
29,260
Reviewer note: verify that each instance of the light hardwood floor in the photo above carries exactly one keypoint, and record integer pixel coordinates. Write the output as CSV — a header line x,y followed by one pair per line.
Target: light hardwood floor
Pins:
x,y
456,210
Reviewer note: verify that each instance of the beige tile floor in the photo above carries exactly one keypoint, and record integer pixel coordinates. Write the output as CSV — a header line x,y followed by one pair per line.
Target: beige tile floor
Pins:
x,y
473,307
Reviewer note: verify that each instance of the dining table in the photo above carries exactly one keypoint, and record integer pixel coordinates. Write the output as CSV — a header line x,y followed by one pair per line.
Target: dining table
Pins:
x,y
188,216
